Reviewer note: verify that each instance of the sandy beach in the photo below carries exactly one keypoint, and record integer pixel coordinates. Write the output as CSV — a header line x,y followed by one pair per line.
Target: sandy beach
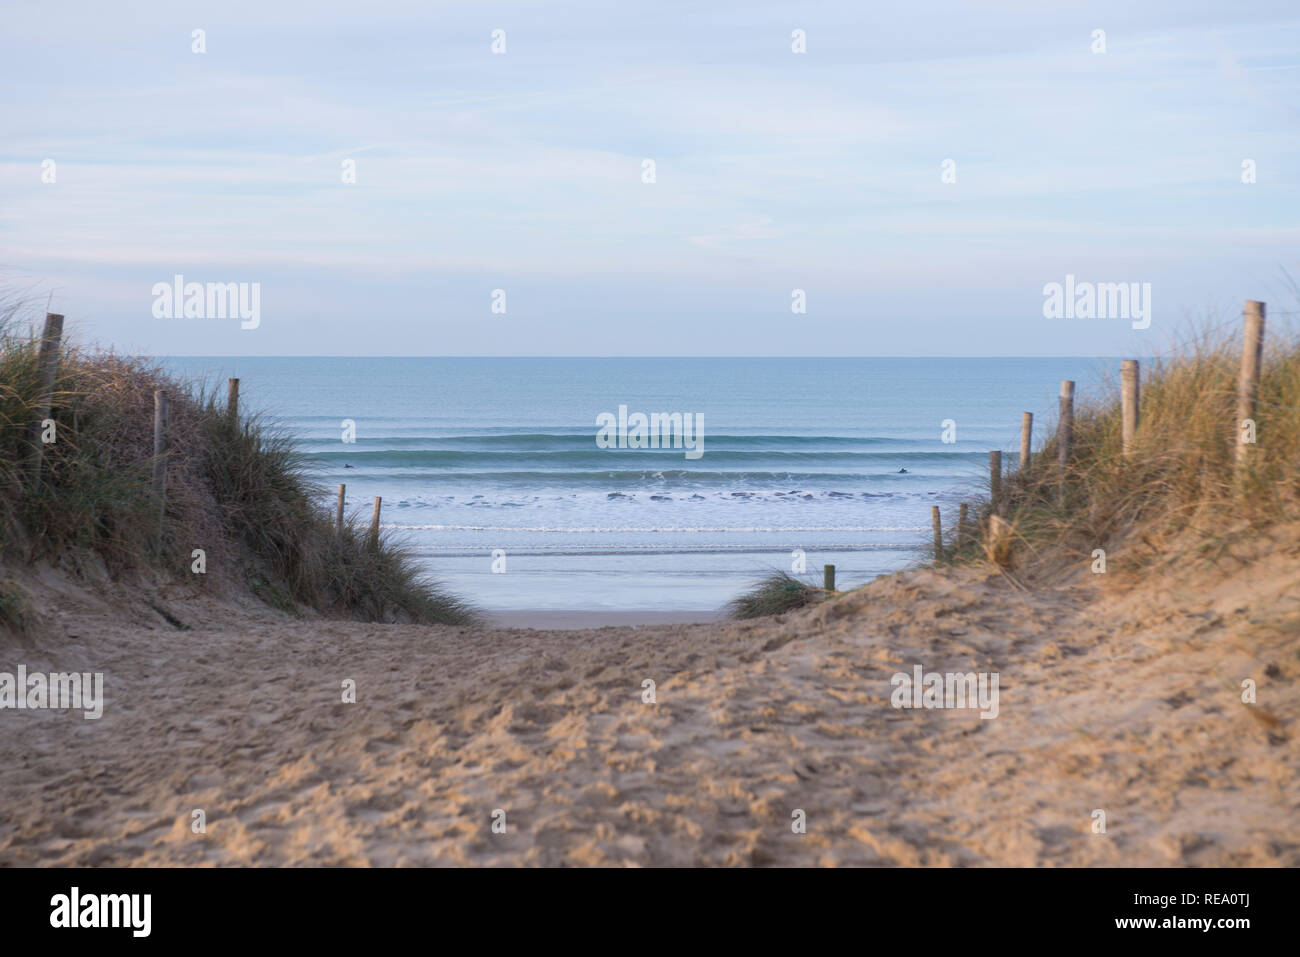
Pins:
x,y
689,437
1119,696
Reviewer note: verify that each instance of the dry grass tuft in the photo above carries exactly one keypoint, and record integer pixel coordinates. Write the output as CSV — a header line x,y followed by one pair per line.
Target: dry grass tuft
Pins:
x,y
1179,492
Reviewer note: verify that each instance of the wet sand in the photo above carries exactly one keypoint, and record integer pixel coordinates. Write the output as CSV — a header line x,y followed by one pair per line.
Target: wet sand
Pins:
x,y
580,618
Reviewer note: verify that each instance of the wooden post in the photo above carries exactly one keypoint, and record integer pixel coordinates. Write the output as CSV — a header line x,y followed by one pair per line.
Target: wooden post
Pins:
x,y
998,546
374,524
47,365
1026,439
1252,354
1065,433
160,442
1129,397
828,577
995,479
961,525
338,518
232,399
938,533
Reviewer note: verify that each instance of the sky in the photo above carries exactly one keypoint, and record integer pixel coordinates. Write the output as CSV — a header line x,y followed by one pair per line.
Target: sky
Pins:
x,y
524,171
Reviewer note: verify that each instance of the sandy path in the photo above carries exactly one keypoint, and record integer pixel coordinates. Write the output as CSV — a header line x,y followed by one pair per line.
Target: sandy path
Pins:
x,y
1127,703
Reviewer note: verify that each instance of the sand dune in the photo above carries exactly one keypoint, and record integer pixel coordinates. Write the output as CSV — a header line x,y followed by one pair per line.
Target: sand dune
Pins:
x,y
1120,698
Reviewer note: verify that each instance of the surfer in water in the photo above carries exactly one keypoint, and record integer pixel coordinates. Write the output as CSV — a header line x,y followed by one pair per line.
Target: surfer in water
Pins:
x,y
902,471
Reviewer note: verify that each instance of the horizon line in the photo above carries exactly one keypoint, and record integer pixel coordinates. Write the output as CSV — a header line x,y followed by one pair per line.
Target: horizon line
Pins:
x,y
377,356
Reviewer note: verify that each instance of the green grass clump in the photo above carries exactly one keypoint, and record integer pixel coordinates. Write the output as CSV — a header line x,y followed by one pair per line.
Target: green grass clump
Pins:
x,y
773,595
236,488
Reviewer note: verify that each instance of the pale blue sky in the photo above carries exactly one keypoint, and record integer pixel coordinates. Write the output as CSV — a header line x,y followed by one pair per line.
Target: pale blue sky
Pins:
x,y
522,171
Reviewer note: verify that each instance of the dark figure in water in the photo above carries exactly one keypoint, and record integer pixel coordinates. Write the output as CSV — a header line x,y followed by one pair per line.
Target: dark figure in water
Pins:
x,y
902,471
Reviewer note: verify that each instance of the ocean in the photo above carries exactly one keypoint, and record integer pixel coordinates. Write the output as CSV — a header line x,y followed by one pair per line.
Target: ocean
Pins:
x,y
493,463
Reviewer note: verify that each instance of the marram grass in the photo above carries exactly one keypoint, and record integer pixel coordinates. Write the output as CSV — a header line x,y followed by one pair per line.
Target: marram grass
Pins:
x,y
1180,488
774,594
236,489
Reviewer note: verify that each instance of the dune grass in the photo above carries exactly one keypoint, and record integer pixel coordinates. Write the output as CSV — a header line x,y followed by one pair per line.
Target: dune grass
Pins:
x,y
1179,492
774,594
236,489
1178,496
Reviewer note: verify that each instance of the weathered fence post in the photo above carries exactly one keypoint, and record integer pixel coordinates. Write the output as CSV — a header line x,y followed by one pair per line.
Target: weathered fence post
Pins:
x,y
995,479
160,442
1129,399
938,533
338,517
1065,433
961,525
374,524
999,541
1252,354
232,399
47,365
1026,439
828,577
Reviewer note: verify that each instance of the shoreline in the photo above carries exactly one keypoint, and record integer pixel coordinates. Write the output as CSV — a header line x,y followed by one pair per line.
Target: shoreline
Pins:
x,y
582,619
